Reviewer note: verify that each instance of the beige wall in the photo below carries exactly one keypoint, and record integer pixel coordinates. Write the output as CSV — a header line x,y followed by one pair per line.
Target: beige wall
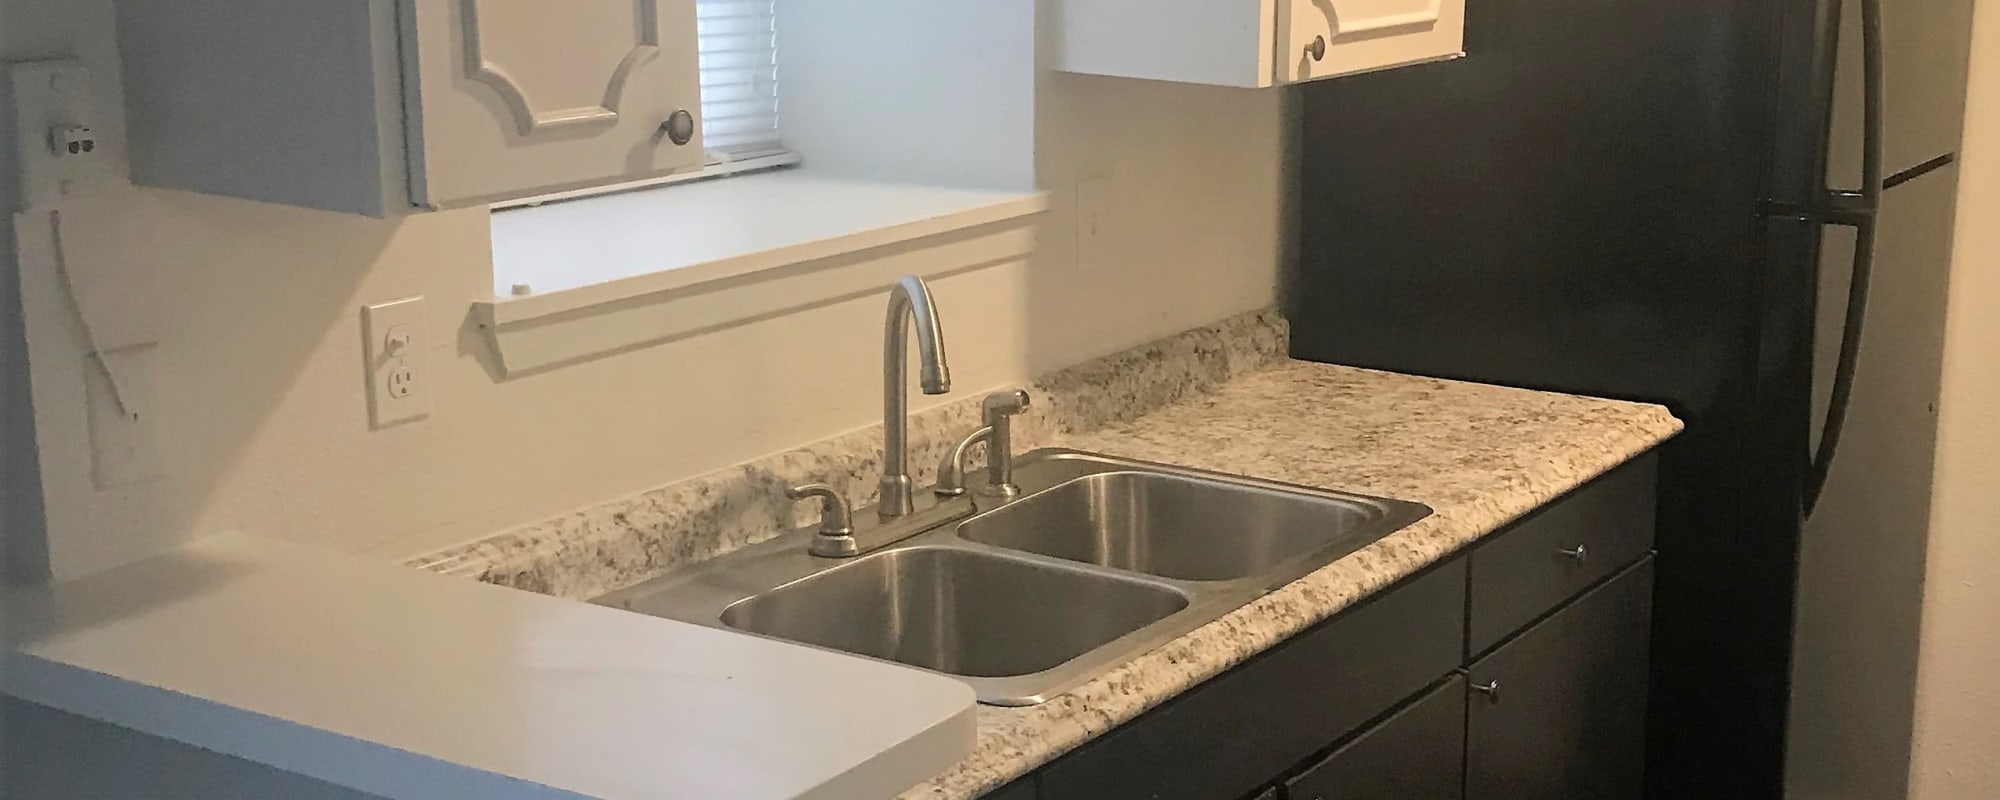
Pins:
x,y
260,388
1957,742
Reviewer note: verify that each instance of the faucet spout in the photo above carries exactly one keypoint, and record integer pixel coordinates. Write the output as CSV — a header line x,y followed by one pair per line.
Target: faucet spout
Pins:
x,y
910,305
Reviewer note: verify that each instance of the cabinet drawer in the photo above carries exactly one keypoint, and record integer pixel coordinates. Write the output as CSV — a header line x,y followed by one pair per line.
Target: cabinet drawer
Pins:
x,y
1560,712
1228,737
1418,754
1560,550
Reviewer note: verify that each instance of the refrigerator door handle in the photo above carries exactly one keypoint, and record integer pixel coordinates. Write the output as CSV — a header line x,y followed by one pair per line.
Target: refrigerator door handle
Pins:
x,y
1856,209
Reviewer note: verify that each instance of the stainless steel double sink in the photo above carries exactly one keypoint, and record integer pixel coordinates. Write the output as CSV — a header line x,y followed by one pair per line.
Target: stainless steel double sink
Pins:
x,y
1098,560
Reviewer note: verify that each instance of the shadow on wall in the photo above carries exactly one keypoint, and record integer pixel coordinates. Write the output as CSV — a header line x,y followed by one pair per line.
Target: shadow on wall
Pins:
x,y
1862,556
240,298
1167,211
24,556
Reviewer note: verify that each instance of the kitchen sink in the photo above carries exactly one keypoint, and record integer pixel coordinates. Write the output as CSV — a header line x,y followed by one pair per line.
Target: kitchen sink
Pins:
x,y
1097,560
961,612
1175,527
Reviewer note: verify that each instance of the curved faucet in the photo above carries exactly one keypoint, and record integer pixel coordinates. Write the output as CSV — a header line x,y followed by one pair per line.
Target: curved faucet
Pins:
x,y
909,302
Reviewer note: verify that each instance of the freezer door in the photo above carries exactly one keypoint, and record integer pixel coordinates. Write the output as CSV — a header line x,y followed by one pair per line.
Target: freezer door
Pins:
x,y
1925,45
1862,556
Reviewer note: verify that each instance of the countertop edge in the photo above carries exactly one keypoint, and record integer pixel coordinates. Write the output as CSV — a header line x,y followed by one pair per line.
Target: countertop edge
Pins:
x,y
427,686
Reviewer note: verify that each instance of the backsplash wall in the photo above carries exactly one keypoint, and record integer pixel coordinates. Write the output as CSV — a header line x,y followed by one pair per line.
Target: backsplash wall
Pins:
x,y
260,387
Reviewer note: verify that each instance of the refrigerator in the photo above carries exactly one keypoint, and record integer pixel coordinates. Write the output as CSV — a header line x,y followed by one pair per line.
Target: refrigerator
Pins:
x,y
1739,209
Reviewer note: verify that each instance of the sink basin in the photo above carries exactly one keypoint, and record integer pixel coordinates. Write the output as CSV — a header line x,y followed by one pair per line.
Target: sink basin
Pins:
x,y
957,611
1173,526
1098,559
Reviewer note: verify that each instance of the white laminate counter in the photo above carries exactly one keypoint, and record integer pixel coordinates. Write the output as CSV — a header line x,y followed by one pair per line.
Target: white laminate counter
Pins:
x,y
407,685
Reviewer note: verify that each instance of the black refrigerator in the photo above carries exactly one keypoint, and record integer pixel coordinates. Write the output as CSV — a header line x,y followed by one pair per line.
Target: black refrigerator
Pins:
x,y
1739,209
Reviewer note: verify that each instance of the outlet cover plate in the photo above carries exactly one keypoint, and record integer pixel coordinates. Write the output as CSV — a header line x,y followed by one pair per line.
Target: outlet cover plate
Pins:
x,y
51,100
398,352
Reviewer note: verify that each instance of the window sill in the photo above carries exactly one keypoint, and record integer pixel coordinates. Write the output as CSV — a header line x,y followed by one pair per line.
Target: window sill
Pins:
x,y
612,273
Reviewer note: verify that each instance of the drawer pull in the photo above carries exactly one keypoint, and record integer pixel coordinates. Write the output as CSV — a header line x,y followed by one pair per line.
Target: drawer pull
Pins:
x,y
1490,688
1576,554
1317,49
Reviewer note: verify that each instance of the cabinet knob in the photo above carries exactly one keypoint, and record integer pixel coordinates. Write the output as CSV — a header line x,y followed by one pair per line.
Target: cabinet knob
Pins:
x,y
1317,49
1490,688
1576,554
679,127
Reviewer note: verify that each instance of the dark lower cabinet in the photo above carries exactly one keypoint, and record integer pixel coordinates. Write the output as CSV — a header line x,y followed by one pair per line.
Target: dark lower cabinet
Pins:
x,y
1233,736
1023,789
1559,712
1416,754
1514,672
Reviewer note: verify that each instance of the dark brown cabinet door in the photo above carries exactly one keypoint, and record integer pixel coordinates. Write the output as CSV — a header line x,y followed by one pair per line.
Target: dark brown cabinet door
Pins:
x,y
1416,754
1023,789
1560,712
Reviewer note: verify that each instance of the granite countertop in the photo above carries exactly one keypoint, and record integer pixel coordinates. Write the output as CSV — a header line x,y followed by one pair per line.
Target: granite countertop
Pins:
x,y
575,700
1480,456
1222,397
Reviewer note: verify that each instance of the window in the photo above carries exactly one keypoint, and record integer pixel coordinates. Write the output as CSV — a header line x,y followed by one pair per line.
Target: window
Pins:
x,y
941,156
738,41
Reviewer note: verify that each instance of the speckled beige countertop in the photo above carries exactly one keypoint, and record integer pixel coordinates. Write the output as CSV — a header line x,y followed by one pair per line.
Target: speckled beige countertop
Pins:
x,y
1222,397
1480,456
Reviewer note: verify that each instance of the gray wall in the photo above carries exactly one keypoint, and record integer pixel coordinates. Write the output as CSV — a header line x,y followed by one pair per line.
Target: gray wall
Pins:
x,y
23,550
46,754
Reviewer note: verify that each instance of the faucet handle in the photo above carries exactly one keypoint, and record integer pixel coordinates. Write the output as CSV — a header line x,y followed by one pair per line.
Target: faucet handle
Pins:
x,y
951,473
836,516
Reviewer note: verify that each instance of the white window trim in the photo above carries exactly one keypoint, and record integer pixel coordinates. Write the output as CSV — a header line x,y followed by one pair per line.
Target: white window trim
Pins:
x,y
607,274
759,162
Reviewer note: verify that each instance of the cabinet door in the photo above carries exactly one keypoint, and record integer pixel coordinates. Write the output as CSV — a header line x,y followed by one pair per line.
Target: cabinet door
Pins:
x,y
1416,754
508,98
1325,38
1560,712
1023,789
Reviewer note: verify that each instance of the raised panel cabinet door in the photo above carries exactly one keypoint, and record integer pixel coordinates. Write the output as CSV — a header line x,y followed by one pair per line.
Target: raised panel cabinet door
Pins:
x,y
1560,712
509,98
1326,38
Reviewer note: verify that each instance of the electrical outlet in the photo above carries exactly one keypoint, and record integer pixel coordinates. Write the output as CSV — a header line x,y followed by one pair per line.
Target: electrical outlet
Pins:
x,y
397,360
57,150
402,380
124,425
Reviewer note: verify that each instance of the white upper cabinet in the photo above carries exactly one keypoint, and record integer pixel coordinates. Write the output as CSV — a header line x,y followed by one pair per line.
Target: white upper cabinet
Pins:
x,y
1254,43
383,106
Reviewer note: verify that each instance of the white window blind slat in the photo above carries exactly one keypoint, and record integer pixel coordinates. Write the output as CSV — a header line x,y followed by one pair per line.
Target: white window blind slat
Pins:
x,y
739,77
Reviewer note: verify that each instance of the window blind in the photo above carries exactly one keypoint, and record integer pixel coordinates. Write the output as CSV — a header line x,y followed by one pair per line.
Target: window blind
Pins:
x,y
739,78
